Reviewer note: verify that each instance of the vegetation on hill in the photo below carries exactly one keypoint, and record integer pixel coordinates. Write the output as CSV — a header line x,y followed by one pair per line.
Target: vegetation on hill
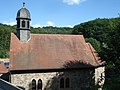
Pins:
x,y
103,34
5,31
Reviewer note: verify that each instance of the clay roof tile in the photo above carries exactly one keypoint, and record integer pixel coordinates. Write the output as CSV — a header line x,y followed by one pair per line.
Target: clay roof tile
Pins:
x,y
3,69
50,51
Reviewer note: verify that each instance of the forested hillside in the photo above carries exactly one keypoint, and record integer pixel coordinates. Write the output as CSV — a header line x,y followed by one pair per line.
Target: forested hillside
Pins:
x,y
5,31
103,34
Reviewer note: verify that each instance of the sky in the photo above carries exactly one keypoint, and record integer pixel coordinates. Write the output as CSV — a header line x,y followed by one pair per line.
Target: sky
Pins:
x,y
59,13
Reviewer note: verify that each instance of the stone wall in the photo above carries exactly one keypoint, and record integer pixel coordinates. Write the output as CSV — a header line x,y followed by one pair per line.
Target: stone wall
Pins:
x,y
79,79
100,77
24,80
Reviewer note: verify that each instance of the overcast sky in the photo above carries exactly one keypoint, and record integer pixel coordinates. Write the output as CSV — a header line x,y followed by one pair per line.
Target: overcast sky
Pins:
x,y
59,12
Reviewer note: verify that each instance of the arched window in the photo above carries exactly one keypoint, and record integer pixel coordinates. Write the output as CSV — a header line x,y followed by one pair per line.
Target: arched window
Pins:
x,y
28,24
39,84
61,83
67,83
33,84
23,23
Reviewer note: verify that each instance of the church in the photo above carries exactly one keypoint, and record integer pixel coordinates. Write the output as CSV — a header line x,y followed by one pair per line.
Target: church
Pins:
x,y
52,61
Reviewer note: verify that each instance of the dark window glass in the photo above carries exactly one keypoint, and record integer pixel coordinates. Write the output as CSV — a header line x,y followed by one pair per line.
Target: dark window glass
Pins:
x,y
28,24
39,84
23,23
67,83
18,23
61,83
33,84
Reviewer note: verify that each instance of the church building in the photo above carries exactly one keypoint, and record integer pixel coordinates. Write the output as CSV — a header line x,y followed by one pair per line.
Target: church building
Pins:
x,y
52,61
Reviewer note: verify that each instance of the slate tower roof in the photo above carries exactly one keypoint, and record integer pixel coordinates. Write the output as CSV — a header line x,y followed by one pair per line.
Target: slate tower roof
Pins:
x,y
23,13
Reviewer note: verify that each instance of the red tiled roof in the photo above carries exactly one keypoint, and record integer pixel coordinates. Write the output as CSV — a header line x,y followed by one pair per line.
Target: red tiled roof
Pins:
x,y
3,69
50,51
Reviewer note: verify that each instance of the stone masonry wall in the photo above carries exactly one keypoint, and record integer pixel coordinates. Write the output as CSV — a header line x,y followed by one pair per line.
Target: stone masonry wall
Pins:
x,y
79,79
100,76
24,80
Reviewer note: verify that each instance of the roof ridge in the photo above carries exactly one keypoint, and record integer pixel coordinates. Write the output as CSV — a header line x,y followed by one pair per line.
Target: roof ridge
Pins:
x,y
56,34
93,54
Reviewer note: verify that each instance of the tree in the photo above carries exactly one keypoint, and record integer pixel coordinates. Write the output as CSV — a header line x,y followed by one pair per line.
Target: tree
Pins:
x,y
94,43
111,53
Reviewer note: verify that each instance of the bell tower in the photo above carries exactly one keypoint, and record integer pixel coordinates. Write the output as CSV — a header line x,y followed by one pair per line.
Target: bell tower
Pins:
x,y
23,24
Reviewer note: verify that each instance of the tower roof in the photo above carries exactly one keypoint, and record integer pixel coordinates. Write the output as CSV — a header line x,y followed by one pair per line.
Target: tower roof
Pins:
x,y
23,13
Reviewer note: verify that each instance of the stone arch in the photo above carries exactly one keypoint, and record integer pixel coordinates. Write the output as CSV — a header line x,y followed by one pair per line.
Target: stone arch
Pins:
x,y
67,83
39,84
33,84
62,83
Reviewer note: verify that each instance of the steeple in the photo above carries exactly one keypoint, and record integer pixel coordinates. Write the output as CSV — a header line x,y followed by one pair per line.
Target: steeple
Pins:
x,y
23,24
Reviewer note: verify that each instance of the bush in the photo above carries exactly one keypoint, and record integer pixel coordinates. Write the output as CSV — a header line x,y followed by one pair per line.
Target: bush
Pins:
x,y
4,54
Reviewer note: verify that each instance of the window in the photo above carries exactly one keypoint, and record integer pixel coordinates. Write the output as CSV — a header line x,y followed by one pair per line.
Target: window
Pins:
x,y
67,83
23,23
61,83
39,84
28,25
33,84
64,83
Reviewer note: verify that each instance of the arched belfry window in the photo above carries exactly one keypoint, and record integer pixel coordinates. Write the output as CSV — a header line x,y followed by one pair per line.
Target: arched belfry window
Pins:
x,y
39,84
28,24
61,83
33,84
67,83
23,23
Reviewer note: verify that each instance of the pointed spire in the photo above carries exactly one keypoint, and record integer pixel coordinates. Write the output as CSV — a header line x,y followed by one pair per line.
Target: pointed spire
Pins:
x,y
23,4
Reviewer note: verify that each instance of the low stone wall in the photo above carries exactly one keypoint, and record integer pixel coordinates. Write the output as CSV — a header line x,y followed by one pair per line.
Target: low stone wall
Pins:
x,y
4,59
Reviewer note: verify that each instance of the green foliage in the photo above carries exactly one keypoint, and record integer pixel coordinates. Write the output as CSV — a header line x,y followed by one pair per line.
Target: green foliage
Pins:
x,y
5,31
103,34
111,53
112,79
52,30
96,44
98,28
4,54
